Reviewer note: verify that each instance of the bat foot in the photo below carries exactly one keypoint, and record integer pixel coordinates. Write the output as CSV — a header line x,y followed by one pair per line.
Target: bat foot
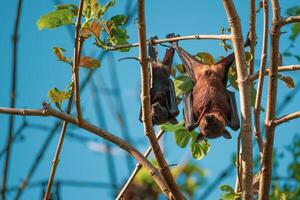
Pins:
x,y
226,134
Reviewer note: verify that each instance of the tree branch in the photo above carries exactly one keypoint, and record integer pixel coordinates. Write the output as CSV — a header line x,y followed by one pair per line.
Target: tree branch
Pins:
x,y
286,118
244,87
137,169
255,76
261,75
146,106
58,150
266,167
252,34
12,99
48,111
76,57
165,40
289,20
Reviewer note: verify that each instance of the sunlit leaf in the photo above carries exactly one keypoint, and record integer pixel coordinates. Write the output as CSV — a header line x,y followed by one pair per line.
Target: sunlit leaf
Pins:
x,y
232,77
95,28
89,62
182,84
63,15
182,137
230,194
205,57
198,148
57,97
106,7
180,68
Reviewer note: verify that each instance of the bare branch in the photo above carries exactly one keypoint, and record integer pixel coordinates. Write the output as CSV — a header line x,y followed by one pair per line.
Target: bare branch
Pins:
x,y
255,76
286,118
160,41
252,34
12,100
137,169
244,87
289,20
77,52
48,111
58,150
266,167
146,106
257,132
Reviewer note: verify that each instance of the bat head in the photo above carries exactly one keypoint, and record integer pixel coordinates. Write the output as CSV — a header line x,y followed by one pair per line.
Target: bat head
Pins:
x,y
212,125
159,113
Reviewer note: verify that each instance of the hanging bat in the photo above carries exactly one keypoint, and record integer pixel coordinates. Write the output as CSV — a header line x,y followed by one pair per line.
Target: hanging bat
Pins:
x,y
163,99
209,106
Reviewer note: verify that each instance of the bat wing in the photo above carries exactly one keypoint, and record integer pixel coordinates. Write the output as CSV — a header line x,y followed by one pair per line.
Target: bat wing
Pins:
x,y
171,100
188,61
234,121
189,118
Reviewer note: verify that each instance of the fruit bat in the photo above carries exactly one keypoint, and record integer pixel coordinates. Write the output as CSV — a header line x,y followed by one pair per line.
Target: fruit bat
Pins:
x,y
162,93
209,106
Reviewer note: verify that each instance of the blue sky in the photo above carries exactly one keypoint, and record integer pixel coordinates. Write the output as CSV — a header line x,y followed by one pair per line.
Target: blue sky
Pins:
x,y
38,71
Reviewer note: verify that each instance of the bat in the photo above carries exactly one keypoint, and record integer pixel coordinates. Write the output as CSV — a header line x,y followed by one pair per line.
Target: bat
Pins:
x,y
162,93
209,106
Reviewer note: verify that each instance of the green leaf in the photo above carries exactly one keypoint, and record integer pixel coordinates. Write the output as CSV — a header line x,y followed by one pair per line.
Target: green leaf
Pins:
x,y
119,20
62,16
230,194
205,57
168,127
89,62
232,77
70,7
182,137
295,31
57,97
199,148
107,6
183,85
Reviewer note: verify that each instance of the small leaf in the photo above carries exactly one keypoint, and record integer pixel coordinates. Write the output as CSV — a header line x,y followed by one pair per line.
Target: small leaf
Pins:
x,y
289,82
119,20
232,77
205,57
180,68
89,62
57,97
182,137
182,84
59,54
199,149
230,194
107,6
168,127
56,18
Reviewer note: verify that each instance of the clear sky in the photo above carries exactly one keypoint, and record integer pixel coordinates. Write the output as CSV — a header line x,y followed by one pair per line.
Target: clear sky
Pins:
x,y
38,71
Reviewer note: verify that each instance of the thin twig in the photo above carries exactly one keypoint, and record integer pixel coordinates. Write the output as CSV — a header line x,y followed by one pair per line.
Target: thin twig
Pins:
x,y
165,40
58,150
77,52
12,99
48,111
255,76
146,106
266,167
289,20
244,87
252,34
286,118
257,132
137,169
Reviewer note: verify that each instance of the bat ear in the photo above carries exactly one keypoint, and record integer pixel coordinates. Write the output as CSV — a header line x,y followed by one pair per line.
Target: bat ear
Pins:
x,y
227,61
226,134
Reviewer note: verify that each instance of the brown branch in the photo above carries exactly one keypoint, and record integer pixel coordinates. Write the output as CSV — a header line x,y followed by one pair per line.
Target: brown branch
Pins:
x,y
289,20
12,99
244,87
257,132
285,118
58,150
252,34
137,169
48,111
266,167
255,76
160,41
146,106
77,52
